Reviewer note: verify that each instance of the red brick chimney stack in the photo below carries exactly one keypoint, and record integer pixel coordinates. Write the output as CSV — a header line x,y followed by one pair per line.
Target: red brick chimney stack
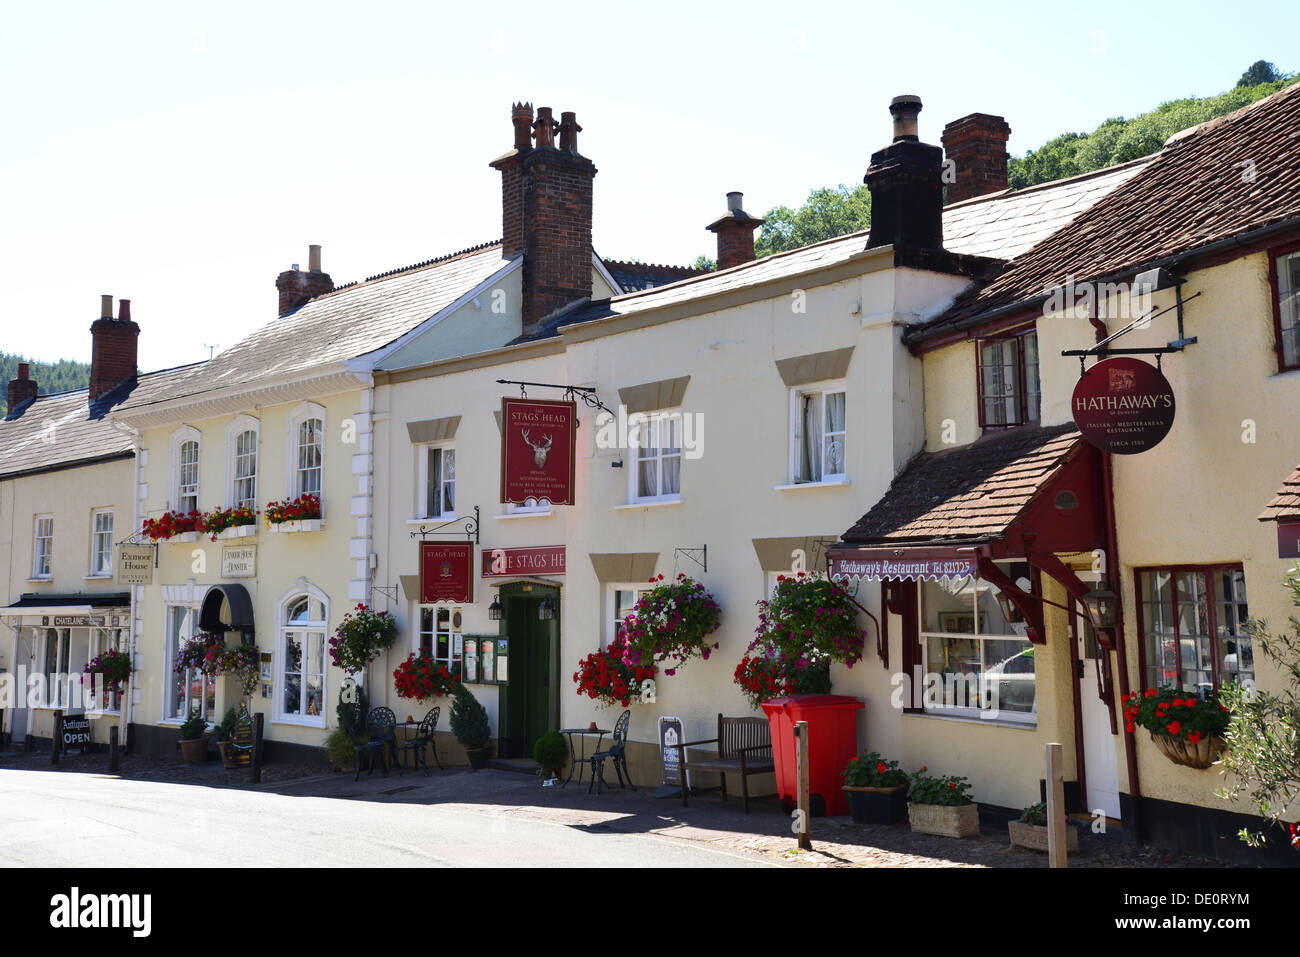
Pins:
x,y
735,233
22,388
297,288
113,344
977,146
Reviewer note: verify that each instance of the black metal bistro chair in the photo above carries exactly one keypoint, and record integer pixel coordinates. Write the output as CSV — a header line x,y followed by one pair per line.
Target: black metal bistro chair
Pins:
x,y
381,725
420,741
616,753
364,744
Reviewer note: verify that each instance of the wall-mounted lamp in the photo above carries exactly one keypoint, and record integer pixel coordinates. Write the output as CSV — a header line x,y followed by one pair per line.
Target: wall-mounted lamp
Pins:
x,y
546,610
496,610
1101,602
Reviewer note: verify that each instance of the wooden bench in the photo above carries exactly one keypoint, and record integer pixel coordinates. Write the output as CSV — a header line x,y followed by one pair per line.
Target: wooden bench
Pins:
x,y
744,748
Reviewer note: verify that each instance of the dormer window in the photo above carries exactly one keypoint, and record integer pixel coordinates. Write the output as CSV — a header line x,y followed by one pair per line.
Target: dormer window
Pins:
x,y
1009,390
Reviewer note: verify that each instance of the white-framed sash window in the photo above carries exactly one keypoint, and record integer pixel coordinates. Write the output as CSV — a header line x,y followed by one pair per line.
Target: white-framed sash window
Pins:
x,y
436,482
620,601
818,433
101,542
241,461
43,547
188,692
185,470
655,457
300,656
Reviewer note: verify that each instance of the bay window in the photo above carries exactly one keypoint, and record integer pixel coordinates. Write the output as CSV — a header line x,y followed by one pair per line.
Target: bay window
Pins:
x,y
1193,626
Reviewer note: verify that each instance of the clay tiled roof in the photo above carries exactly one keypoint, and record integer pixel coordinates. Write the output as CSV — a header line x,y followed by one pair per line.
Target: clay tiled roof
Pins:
x,y
67,429
1194,192
1286,504
968,494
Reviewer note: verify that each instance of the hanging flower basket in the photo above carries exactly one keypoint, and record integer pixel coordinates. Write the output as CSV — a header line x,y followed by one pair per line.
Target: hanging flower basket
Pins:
x,y
361,637
606,677
209,655
671,622
113,668
1186,729
420,677
806,624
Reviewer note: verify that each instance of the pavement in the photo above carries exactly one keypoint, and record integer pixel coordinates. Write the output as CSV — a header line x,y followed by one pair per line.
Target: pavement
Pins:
x,y
160,812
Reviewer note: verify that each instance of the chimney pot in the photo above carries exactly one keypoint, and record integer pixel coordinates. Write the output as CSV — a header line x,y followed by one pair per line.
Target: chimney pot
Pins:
x,y
313,258
733,200
735,231
905,109
24,370
106,307
544,127
124,310
22,388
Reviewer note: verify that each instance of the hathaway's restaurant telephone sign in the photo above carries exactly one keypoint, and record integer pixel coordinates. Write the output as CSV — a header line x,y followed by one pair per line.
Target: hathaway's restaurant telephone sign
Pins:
x,y
1123,405
538,450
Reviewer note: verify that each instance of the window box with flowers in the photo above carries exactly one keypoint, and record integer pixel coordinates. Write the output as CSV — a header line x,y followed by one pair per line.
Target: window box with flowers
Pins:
x,y
806,624
877,790
941,806
237,522
361,637
607,678
1186,729
301,514
174,527
670,622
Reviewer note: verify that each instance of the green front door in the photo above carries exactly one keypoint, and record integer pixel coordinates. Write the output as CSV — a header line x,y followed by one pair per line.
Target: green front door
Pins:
x,y
530,704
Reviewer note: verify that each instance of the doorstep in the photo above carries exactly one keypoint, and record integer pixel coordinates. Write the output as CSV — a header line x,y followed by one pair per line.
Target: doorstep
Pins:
x,y
517,765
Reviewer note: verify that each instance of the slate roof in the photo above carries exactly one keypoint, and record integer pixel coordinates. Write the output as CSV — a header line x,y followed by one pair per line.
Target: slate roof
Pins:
x,y
968,494
1194,192
67,429
634,277
1285,506
351,321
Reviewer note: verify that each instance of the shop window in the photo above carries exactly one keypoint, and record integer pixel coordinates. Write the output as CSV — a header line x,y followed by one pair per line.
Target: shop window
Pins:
x,y
1193,625
1009,390
978,660
101,543
620,600
102,640
58,649
655,455
185,470
1287,316
188,692
817,434
301,654
436,484
43,547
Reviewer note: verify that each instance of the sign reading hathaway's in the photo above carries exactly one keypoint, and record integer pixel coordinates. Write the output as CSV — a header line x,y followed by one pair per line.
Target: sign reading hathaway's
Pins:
x,y
1123,405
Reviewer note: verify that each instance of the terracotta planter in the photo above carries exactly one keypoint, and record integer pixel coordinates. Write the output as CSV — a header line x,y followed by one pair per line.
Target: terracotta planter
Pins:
x,y
195,750
945,820
877,805
1034,836
1181,751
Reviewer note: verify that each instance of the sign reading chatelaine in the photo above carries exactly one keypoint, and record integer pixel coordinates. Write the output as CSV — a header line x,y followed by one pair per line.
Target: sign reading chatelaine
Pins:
x,y
538,447
446,572
1123,405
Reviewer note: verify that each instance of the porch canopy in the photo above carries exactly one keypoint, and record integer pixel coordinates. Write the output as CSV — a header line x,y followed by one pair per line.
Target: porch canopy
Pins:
x,y
236,599
1028,493
70,604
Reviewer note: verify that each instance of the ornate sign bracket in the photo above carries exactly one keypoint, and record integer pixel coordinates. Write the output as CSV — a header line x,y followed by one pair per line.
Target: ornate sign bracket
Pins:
x,y
1153,280
571,392
466,524
699,556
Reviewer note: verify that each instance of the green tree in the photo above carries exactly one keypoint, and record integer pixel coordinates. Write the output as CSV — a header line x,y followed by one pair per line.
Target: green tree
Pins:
x,y
829,212
705,263
1261,71
51,377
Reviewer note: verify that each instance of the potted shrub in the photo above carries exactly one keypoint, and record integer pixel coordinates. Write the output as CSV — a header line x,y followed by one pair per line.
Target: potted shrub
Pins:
x,y
877,790
1186,729
1031,830
549,752
941,806
223,733
194,742
607,678
671,622
469,723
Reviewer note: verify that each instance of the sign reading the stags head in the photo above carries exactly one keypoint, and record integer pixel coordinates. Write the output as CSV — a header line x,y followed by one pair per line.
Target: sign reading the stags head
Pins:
x,y
538,447
1123,405
447,572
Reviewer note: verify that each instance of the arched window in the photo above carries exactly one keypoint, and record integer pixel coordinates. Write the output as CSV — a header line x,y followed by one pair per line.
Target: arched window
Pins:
x,y
241,461
310,445
185,470
301,655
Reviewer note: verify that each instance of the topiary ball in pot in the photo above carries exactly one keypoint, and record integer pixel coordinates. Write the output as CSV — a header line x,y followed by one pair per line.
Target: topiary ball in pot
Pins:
x,y
469,723
549,752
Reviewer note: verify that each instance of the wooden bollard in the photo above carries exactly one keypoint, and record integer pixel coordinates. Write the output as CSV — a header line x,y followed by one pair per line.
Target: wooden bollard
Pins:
x,y
58,737
112,748
257,747
804,822
1055,807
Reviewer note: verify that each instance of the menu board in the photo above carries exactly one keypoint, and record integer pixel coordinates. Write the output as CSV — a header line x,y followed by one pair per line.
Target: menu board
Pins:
x,y
470,669
488,660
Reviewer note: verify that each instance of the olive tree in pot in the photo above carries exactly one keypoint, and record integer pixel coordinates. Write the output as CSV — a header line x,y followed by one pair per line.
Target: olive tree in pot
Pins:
x,y
469,723
194,742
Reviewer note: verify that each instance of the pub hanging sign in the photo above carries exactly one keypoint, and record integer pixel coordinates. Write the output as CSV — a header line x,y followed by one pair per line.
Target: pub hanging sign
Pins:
x,y
1123,405
447,572
538,450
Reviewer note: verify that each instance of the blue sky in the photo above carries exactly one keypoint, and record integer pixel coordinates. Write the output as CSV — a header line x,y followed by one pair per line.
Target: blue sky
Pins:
x,y
181,155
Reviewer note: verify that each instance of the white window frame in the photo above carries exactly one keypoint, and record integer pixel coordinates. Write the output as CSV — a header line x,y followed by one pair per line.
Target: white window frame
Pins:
x,y
43,547
418,632
422,453
818,390
51,697
652,420
1029,718
240,425
172,641
293,470
611,618
97,534
180,437
300,589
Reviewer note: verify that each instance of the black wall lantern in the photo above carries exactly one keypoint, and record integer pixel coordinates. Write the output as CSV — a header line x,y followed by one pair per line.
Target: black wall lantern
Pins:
x,y
546,610
496,610
1101,602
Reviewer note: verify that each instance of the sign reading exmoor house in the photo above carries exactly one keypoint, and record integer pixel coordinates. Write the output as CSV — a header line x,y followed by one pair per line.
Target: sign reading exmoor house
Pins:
x,y
1123,405
447,572
538,447
135,564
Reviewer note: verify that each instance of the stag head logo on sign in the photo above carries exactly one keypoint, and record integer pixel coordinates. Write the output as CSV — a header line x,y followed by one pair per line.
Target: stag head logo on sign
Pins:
x,y
538,451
